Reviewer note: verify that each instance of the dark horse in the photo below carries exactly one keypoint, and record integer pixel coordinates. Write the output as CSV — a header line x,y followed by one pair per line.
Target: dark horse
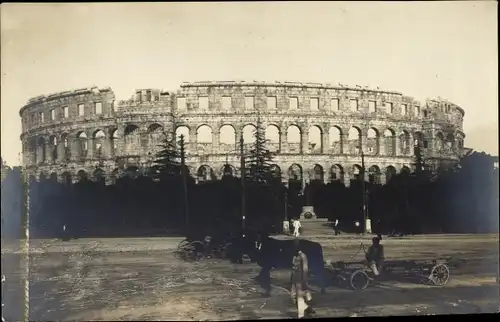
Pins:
x,y
271,253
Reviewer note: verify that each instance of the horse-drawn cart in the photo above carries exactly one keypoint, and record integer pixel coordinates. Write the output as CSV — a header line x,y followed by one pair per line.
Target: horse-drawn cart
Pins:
x,y
358,276
196,250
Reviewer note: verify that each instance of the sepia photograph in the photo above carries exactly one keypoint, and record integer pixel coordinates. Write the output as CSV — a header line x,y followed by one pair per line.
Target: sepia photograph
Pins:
x,y
217,161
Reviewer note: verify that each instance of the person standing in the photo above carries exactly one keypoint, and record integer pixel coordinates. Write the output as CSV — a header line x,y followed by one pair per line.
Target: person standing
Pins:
x,y
296,228
299,292
336,224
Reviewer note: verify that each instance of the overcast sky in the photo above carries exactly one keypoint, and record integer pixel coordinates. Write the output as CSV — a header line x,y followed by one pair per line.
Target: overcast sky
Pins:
x,y
423,49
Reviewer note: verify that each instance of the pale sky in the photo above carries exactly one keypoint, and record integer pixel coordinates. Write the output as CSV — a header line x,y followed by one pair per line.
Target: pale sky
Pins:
x,y
422,49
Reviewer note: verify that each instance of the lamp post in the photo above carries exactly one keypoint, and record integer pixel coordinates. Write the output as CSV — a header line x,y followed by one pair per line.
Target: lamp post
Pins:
x,y
242,170
366,219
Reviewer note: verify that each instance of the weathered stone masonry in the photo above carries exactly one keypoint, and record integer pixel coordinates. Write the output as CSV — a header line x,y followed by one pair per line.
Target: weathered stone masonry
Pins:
x,y
317,130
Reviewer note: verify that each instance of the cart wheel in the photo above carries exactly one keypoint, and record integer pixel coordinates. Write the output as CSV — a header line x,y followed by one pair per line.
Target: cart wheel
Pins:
x,y
359,280
182,244
440,274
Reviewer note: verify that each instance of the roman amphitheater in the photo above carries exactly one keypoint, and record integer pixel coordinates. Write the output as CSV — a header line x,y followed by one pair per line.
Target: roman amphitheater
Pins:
x,y
318,131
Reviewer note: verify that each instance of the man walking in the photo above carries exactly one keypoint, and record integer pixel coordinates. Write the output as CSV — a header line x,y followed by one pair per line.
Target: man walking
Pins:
x,y
296,228
335,225
299,278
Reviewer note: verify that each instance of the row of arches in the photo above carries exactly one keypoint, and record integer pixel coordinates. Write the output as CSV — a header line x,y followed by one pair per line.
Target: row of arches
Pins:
x,y
107,143
294,173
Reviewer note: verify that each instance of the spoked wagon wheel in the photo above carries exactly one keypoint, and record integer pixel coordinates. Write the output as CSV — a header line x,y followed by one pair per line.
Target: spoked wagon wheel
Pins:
x,y
359,280
182,244
440,274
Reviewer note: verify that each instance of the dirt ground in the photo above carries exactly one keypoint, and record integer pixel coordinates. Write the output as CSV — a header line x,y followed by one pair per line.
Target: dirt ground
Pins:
x,y
140,279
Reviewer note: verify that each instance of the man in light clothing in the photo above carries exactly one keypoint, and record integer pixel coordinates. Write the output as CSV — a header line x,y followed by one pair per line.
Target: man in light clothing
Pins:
x,y
375,256
336,225
296,227
300,287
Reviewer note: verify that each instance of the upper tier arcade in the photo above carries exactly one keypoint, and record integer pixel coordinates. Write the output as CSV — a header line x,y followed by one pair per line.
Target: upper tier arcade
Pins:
x,y
308,124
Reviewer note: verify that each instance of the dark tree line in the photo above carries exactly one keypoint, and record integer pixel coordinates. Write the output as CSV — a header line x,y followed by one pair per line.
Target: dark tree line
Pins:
x,y
458,200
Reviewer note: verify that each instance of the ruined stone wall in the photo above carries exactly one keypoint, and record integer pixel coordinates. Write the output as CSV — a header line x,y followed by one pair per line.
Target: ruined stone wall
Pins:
x,y
318,131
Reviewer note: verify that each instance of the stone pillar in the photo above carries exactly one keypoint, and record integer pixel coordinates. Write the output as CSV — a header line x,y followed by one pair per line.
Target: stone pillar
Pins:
x,y
48,153
192,140
304,138
39,153
106,148
75,149
61,151
283,141
344,144
90,148
325,141
215,138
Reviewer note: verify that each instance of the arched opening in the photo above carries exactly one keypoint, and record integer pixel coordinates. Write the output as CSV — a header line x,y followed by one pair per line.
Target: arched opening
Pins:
x,y
295,178
354,137
390,142
205,173
357,172
82,176
273,138
315,140
41,156
276,172
337,173
317,173
390,171
405,170
204,139
335,138
249,136
404,142
99,176
66,145
294,139
227,138
156,136
82,144
372,142
132,140
53,148
114,141
374,174
66,178
228,170
450,143
99,138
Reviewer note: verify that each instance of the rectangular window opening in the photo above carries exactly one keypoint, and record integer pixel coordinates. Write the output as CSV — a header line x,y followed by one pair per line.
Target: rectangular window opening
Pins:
x,y
354,105
372,106
181,103
271,103
294,103
226,103
98,108
203,103
249,103
314,104
335,104
81,110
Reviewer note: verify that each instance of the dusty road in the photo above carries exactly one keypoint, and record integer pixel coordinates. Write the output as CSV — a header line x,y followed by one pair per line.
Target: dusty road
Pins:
x,y
139,279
